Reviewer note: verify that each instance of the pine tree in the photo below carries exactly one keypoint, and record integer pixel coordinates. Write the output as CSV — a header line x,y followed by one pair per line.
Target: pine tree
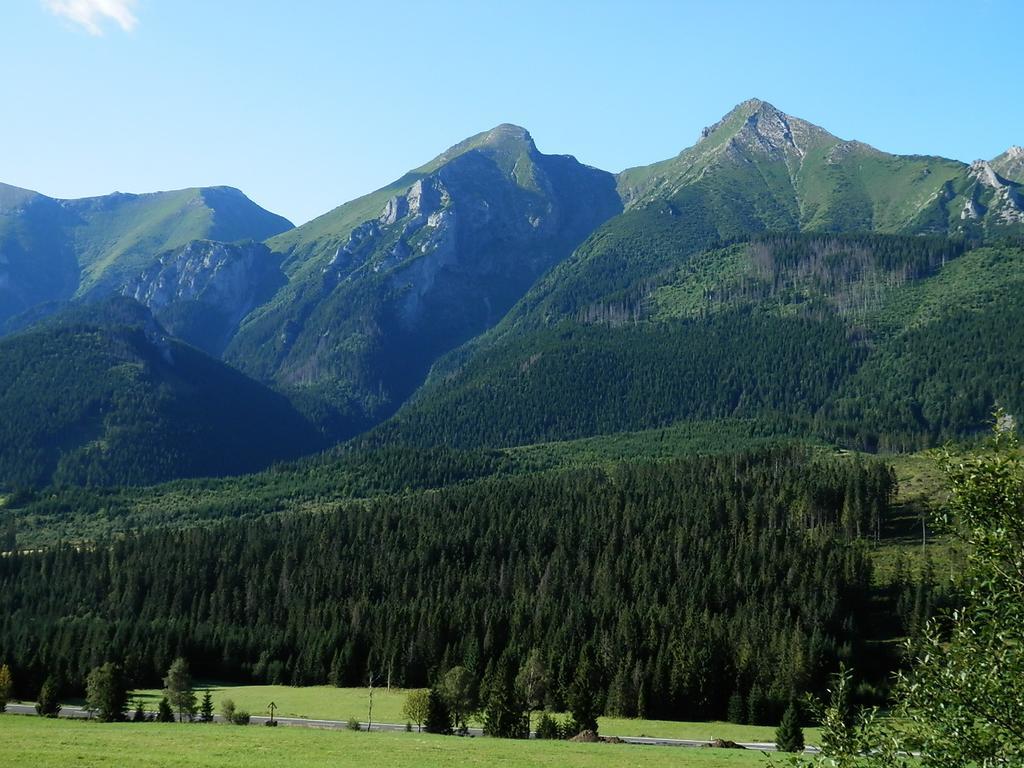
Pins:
x,y
756,706
439,719
140,712
164,713
584,693
47,704
505,715
789,736
206,708
737,712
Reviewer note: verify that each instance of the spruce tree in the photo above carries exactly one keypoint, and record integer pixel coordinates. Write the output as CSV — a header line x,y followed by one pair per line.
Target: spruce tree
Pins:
x,y
505,715
140,712
47,704
439,718
164,713
756,706
206,707
789,736
584,693
737,711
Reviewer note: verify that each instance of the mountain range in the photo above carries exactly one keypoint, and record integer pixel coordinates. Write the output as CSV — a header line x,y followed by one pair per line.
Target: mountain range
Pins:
x,y
498,296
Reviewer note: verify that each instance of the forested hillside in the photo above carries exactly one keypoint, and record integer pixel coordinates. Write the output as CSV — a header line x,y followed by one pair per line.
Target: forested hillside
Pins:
x,y
100,395
498,296
382,286
683,582
872,341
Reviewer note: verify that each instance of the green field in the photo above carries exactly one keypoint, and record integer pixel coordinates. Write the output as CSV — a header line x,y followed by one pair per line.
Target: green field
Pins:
x,y
328,703
37,742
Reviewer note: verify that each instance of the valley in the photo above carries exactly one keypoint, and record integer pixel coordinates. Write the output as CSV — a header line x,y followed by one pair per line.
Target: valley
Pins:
x,y
670,450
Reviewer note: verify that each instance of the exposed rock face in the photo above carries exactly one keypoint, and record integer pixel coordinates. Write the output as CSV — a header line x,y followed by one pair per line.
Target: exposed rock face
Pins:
x,y
1003,196
1010,164
982,171
970,209
768,131
444,257
203,290
55,251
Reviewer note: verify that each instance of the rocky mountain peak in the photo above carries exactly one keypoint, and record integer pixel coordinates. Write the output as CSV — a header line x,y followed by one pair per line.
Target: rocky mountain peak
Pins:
x,y
758,126
505,140
1010,164
982,171
507,132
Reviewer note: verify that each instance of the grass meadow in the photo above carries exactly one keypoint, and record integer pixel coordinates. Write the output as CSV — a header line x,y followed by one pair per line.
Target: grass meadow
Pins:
x,y
41,743
328,703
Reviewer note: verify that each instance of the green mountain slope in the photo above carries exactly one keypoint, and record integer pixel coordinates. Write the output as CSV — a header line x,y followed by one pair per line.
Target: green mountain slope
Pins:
x,y
54,250
761,170
683,307
118,235
37,262
382,286
101,395
881,341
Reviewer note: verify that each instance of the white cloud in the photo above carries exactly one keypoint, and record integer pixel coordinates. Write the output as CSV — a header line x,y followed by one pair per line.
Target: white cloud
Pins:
x,y
90,14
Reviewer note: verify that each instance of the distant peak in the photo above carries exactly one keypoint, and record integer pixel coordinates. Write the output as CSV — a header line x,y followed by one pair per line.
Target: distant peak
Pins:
x,y
508,132
502,137
982,170
752,108
505,139
755,105
756,125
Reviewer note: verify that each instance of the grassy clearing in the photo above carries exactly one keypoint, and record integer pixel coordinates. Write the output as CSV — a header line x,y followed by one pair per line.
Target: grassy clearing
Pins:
x,y
43,743
328,703
922,493
319,702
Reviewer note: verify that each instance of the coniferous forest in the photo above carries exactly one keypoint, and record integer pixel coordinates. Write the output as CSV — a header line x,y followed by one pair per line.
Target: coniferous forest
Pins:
x,y
687,582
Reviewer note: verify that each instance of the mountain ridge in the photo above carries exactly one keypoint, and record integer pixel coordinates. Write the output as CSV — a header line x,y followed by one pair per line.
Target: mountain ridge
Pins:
x,y
494,254
54,250
417,268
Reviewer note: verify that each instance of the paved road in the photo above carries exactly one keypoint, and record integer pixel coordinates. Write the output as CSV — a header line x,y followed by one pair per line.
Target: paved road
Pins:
x,y
305,722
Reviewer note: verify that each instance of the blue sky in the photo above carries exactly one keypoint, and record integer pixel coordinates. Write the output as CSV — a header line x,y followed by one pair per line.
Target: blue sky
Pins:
x,y
306,104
